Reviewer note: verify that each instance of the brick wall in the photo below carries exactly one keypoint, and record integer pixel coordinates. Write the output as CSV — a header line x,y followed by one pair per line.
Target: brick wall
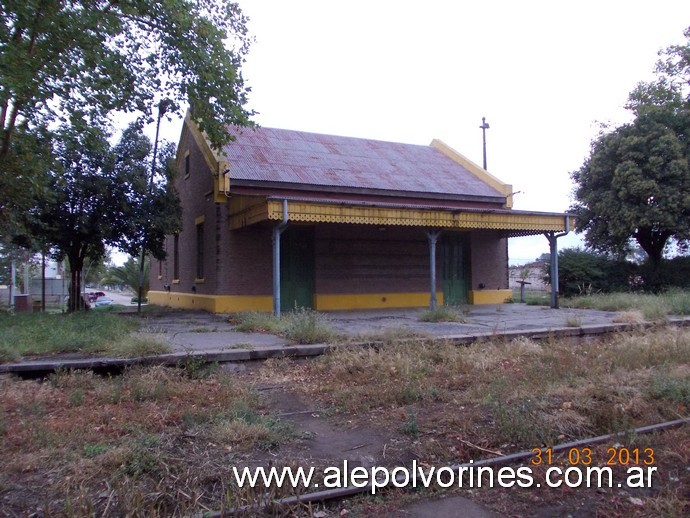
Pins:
x,y
247,259
370,259
489,255
196,196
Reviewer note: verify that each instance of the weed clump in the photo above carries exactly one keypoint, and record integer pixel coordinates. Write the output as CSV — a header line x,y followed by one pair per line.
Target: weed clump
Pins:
x,y
308,327
441,314
301,325
136,346
256,322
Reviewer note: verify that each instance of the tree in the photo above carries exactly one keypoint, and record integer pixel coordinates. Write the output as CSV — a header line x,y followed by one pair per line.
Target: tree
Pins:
x,y
75,217
95,192
21,257
92,57
674,66
153,209
635,185
21,177
128,275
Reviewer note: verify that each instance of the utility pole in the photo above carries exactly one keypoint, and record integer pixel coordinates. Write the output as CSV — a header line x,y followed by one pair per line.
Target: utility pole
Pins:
x,y
484,127
163,106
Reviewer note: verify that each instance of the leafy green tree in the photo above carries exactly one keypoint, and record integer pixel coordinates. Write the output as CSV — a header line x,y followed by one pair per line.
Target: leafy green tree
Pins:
x,y
635,185
152,209
21,177
96,191
92,57
75,218
128,275
673,68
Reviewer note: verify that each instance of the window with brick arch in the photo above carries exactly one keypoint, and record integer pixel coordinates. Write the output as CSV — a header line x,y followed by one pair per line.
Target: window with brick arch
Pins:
x,y
176,257
200,251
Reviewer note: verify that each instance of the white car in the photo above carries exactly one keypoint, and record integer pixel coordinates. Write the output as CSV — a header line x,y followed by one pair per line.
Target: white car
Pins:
x,y
103,301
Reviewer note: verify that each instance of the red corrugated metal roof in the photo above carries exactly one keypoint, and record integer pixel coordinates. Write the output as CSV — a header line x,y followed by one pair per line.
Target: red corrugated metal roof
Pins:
x,y
296,157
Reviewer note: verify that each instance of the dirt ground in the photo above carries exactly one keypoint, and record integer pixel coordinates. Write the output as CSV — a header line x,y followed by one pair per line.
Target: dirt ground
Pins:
x,y
163,441
369,440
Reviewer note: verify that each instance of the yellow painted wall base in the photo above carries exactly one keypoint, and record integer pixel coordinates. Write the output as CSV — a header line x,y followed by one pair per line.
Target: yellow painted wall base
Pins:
x,y
235,303
489,296
212,303
373,301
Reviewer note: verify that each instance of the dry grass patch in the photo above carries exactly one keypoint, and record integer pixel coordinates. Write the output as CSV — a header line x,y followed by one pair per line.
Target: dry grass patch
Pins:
x,y
387,336
452,404
162,442
654,307
528,393
127,445
632,316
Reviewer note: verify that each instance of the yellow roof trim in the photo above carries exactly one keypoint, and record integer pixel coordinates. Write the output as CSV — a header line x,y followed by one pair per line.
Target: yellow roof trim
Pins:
x,y
214,160
486,177
315,212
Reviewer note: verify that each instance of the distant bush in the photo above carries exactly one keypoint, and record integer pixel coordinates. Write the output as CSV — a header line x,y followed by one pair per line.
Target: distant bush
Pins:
x,y
583,273
671,273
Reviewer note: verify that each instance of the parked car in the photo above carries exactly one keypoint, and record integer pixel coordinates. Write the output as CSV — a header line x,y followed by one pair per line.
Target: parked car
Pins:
x,y
93,295
103,301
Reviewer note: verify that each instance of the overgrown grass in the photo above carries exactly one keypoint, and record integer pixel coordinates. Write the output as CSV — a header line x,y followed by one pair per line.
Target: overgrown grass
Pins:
x,y
518,393
652,306
43,333
137,345
246,429
442,314
573,321
160,443
387,336
257,322
301,326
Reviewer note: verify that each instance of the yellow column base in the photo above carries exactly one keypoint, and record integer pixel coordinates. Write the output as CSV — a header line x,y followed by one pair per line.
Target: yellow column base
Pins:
x,y
490,296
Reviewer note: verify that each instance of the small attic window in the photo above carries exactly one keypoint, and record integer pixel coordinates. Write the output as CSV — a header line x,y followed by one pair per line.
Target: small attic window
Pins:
x,y
186,165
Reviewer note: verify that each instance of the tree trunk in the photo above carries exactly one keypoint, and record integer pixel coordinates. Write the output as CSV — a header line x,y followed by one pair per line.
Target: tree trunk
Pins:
x,y
76,301
653,243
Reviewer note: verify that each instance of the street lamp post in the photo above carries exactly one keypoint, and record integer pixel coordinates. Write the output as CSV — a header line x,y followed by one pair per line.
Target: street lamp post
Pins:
x,y
163,106
484,127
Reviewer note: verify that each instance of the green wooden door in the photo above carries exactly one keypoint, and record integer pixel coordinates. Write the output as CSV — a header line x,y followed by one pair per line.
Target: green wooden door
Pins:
x,y
455,268
297,268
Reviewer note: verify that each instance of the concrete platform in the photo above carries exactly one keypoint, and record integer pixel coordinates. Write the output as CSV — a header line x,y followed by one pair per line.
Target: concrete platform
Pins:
x,y
213,338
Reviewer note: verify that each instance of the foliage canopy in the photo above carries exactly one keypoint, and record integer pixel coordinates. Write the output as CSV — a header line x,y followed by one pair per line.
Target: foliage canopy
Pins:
x,y
92,57
636,182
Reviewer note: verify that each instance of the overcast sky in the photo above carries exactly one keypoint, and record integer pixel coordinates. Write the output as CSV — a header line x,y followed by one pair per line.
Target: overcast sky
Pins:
x,y
543,73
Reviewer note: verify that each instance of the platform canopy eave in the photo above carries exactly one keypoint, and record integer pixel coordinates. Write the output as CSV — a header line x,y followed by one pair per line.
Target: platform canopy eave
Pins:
x,y
511,223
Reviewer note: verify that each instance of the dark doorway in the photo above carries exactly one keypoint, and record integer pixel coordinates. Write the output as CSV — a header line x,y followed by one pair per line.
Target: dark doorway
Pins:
x,y
455,268
297,268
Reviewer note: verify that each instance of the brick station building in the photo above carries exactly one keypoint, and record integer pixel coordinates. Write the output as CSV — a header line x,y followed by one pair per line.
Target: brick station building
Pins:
x,y
280,219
